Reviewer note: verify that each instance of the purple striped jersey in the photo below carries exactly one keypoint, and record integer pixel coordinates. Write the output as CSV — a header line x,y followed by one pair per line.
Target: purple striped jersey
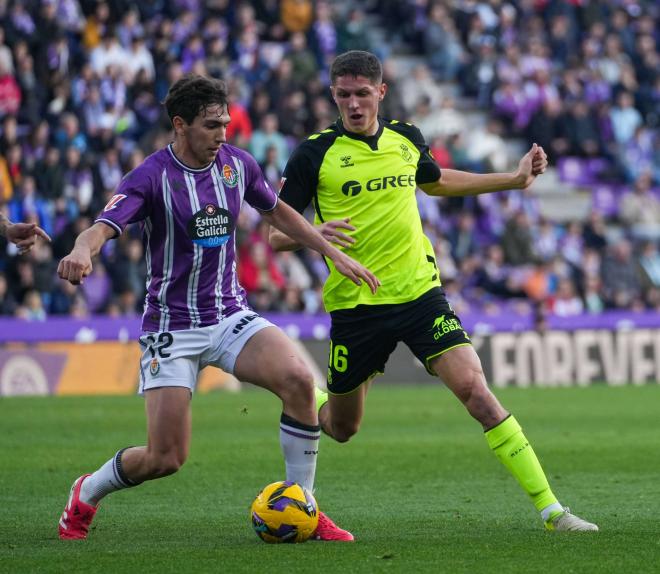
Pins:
x,y
189,218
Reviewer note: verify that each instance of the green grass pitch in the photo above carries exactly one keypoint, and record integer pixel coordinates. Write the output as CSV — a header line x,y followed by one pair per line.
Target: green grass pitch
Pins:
x,y
418,486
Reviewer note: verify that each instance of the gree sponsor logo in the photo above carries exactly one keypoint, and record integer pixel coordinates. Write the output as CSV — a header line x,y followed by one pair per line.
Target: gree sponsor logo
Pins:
x,y
352,188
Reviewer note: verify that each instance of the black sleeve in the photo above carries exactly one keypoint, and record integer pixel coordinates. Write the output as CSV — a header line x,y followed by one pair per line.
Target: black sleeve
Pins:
x,y
428,170
300,178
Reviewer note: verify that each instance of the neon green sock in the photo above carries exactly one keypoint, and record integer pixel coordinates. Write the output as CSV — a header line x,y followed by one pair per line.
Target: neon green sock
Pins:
x,y
511,446
321,398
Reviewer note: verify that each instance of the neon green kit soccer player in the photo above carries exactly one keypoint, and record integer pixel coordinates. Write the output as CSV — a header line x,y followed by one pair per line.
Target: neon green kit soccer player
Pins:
x,y
361,175
23,235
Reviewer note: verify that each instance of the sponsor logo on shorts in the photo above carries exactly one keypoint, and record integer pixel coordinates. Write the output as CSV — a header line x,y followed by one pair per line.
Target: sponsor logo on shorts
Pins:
x,y
244,321
211,226
443,325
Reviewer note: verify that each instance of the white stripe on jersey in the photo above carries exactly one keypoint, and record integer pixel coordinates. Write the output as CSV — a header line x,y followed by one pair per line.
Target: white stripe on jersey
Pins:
x,y
240,166
235,289
168,255
148,226
222,202
195,270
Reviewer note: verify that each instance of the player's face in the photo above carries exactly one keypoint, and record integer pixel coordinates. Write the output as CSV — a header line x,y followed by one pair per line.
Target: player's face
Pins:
x,y
358,99
204,136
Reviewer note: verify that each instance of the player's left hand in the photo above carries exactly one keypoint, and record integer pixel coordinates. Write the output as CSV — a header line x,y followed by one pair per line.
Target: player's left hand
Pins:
x,y
532,164
332,231
24,235
355,271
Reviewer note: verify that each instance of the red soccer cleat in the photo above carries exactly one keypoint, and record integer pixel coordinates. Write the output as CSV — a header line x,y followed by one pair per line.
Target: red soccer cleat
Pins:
x,y
77,516
328,531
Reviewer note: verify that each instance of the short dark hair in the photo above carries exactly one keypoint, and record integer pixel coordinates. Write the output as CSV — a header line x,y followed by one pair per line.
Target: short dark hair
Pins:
x,y
357,63
191,94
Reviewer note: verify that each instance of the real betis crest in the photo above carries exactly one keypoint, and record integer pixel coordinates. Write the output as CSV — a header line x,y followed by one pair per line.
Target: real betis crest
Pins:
x,y
229,176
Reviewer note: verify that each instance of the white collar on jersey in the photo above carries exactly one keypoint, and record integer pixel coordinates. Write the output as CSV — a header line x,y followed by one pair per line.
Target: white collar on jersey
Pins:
x,y
187,167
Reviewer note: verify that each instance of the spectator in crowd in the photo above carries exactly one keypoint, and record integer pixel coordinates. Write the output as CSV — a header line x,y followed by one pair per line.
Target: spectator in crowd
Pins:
x,y
259,274
640,209
32,308
649,266
593,299
620,276
594,232
8,304
517,240
442,46
625,118
269,136
462,238
565,301
272,167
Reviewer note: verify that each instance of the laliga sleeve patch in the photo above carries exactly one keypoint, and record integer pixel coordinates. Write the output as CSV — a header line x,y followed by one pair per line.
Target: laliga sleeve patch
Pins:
x,y
114,201
211,226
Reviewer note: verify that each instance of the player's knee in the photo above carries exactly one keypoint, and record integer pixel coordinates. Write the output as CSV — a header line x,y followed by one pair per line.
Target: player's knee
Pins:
x,y
480,402
165,464
470,385
342,431
297,385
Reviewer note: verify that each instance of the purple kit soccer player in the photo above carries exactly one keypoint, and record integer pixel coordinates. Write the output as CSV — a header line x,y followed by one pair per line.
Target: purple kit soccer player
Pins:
x,y
188,196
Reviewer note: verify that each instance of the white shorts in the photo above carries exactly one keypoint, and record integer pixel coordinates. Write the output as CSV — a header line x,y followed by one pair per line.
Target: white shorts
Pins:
x,y
175,358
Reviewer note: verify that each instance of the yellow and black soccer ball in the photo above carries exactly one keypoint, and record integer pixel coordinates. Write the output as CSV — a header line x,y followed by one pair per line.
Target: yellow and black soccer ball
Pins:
x,y
284,511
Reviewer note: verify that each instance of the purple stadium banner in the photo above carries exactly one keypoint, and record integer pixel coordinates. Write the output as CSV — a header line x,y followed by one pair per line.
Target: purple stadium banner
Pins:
x,y
301,326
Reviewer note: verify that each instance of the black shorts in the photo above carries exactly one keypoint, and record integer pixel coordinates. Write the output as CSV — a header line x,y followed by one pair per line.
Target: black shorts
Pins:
x,y
363,338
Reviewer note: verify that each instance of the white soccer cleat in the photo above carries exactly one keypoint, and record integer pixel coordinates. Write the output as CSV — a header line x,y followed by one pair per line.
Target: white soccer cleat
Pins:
x,y
567,522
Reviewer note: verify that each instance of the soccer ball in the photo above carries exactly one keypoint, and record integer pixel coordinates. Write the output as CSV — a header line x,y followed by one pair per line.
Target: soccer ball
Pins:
x,y
284,511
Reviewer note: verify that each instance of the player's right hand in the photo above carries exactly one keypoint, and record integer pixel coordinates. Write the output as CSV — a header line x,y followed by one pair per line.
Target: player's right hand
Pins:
x,y
331,230
74,267
24,235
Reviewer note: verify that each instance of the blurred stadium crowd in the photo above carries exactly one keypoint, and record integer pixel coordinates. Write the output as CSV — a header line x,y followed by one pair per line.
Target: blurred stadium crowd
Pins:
x,y
81,82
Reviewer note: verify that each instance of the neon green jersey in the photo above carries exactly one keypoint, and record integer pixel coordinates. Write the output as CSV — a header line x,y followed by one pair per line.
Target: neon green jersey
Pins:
x,y
372,180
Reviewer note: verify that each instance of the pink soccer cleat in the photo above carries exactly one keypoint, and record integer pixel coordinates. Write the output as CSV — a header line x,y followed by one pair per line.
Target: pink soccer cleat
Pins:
x,y
328,531
77,516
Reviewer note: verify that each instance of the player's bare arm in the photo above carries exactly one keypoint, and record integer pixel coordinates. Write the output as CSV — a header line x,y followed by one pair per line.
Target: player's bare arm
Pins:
x,y
331,230
294,226
460,183
24,235
78,264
